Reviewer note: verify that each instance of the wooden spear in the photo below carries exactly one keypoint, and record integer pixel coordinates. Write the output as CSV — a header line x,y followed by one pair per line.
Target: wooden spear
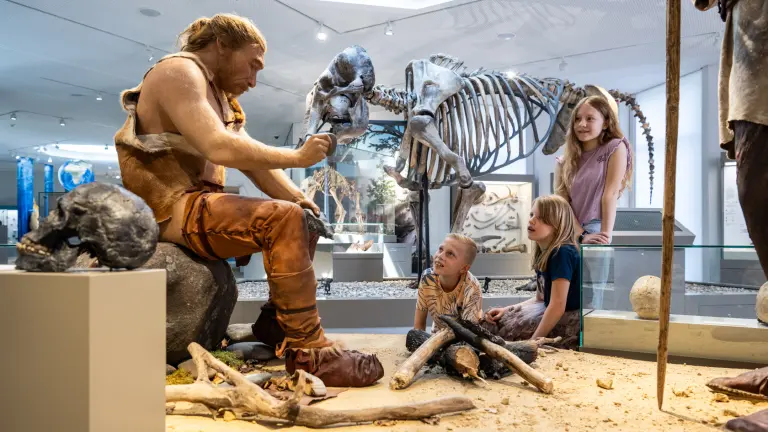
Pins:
x,y
670,165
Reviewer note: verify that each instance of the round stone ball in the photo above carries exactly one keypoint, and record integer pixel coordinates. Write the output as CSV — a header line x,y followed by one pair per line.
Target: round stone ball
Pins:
x,y
645,295
761,304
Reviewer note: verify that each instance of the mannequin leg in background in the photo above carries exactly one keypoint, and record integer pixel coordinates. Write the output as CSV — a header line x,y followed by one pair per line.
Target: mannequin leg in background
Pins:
x,y
751,142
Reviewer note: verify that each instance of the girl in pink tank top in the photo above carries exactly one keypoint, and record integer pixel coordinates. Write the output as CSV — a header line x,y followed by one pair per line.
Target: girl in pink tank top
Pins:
x,y
595,169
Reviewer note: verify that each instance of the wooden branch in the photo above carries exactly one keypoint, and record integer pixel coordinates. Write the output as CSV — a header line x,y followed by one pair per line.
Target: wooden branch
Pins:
x,y
408,370
463,359
317,417
668,217
500,353
248,398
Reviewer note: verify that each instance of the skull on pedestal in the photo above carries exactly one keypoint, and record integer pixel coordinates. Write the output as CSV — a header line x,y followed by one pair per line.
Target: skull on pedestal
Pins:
x,y
105,220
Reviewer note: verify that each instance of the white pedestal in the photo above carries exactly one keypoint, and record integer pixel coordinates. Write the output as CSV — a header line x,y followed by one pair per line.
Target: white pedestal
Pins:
x,y
85,351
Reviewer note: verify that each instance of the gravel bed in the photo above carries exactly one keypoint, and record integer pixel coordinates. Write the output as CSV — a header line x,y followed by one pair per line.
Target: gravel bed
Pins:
x,y
399,289
386,289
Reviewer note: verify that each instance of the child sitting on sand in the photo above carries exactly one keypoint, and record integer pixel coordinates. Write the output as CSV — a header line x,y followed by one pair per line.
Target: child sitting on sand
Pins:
x,y
448,287
555,310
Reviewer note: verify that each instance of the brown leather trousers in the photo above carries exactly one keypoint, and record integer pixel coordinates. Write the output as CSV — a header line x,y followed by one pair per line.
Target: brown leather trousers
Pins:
x,y
221,226
752,182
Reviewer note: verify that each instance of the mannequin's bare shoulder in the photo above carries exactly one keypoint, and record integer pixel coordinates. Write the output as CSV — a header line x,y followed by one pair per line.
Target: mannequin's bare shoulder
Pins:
x,y
174,79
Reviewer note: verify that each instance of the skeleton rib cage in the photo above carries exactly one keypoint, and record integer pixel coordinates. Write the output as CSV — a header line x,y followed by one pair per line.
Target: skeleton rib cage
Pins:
x,y
481,123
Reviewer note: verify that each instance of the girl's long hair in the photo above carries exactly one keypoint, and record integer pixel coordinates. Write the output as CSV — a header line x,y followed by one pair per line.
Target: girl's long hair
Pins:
x,y
573,147
554,211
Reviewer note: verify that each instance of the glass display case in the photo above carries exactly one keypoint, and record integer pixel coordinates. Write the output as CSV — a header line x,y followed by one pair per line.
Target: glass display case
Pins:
x,y
9,226
350,186
498,224
710,318
8,255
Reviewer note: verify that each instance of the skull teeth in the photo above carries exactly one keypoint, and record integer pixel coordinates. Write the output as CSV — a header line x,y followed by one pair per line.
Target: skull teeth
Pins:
x,y
32,248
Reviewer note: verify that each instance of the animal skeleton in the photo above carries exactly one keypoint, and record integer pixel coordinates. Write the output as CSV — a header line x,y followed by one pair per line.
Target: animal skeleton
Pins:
x,y
461,125
338,187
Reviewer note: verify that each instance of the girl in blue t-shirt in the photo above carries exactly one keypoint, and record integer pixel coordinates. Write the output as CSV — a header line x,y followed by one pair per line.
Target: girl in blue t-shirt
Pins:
x,y
555,310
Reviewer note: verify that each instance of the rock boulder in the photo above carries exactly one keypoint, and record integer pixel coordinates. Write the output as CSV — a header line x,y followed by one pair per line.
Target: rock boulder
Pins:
x,y
201,296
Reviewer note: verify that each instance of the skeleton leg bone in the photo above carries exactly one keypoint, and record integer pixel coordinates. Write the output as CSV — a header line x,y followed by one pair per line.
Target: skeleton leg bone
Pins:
x,y
467,197
424,129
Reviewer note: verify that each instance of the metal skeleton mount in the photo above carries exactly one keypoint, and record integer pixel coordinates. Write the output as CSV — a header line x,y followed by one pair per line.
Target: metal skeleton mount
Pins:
x,y
330,182
463,125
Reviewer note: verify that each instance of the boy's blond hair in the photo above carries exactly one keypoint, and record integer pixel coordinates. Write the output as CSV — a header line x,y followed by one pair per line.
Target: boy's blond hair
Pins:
x,y
469,245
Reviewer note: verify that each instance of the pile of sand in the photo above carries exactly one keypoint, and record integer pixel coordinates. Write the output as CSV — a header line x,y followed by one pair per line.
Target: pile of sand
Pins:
x,y
577,404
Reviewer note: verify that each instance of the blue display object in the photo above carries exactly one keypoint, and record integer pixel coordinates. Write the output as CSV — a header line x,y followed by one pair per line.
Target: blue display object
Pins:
x,y
75,173
25,192
47,187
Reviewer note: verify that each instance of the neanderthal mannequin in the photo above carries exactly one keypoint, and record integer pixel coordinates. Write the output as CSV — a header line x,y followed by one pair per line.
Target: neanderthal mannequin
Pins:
x,y
185,126
743,103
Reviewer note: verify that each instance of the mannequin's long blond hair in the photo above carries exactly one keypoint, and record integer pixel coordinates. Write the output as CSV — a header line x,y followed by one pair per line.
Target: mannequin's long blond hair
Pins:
x,y
574,148
556,212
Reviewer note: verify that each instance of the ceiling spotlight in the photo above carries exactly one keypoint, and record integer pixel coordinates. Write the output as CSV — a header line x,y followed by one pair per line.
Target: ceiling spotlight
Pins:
x,y
98,97
389,31
61,123
510,74
506,36
13,116
321,34
50,160
563,65
17,157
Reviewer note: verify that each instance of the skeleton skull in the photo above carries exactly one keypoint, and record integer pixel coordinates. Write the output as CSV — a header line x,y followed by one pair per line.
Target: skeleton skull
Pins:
x,y
338,96
105,220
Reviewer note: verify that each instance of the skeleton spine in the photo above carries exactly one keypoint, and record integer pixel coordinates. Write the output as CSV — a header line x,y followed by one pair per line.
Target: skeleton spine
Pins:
x,y
632,103
395,100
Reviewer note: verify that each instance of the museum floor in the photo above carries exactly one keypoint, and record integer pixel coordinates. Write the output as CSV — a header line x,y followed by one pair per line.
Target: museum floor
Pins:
x,y
577,404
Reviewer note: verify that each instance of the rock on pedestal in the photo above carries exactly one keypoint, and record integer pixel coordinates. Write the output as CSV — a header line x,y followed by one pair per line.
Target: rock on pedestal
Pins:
x,y
201,296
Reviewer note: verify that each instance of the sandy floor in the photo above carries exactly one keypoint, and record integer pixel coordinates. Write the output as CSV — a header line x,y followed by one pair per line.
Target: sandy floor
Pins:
x,y
577,404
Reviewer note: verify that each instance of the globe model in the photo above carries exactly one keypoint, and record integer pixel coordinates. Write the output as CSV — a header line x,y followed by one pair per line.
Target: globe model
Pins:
x,y
74,173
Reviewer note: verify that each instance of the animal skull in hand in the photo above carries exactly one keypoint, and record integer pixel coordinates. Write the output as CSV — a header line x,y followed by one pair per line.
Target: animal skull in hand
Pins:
x,y
105,220
338,96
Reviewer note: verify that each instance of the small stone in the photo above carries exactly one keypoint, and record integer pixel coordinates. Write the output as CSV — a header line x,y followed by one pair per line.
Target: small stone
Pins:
x,y
492,410
559,364
565,368
607,420
252,351
229,416
169,369
719,397
543,408
730,412
618,404
190,367
505,400
682,393
606,384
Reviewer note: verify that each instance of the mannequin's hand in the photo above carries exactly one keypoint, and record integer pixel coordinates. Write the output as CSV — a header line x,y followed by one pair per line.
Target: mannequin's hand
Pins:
x,y
314,149
303,202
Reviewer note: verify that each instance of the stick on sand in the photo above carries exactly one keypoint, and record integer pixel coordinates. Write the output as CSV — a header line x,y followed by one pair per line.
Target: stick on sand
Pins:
x,y
670,167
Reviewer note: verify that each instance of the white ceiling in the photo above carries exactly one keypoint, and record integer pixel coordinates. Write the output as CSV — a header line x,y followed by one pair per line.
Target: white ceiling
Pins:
x,y
56,55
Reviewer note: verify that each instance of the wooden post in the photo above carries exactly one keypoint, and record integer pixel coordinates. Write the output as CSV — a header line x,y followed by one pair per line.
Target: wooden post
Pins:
x,y
670,168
